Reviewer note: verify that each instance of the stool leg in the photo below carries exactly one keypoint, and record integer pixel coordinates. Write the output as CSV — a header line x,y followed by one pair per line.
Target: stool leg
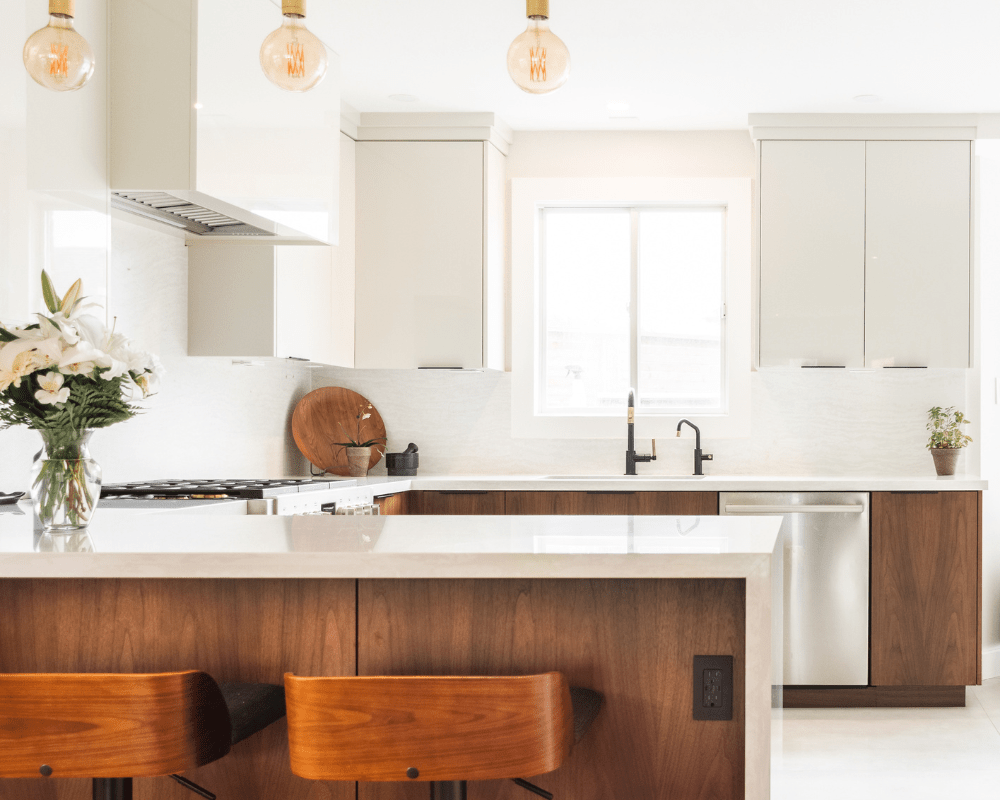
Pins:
x,y
447,790
112,788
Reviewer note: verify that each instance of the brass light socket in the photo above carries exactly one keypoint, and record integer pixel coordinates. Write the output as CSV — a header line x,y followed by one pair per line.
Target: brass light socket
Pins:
x,y
65,8
538,8
293,8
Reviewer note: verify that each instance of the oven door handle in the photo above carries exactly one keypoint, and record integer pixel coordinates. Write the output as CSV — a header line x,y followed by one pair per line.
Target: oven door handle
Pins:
x,y
844,509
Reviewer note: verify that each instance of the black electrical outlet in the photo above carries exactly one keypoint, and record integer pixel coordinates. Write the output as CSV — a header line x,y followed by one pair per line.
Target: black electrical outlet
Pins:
x,y
713,687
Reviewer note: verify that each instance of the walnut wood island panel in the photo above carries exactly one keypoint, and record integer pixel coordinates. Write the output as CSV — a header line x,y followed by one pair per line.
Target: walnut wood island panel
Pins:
x,y
619,604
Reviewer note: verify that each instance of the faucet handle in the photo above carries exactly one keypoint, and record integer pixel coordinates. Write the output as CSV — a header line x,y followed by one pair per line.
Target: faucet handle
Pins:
x,y
707,457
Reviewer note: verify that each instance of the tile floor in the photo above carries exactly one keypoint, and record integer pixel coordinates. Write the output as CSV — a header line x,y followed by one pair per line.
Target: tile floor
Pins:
x,y
879,753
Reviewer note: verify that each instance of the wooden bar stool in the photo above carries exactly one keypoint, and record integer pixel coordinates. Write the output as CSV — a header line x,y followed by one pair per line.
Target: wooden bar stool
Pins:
x,y
116,727
446,730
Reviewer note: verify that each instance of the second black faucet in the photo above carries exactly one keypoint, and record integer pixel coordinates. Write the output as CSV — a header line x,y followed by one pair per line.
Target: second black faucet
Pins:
x,y
698,457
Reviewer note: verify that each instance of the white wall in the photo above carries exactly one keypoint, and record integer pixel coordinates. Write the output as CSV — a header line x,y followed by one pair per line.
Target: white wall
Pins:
x,y
989,269
803,422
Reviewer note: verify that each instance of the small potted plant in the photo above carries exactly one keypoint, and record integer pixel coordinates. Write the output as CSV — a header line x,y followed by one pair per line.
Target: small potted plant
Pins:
x,y
359,448
947,439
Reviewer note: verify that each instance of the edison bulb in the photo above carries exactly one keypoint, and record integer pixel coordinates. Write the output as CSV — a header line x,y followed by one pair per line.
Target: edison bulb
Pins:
x,y
537,60
292,57
57,57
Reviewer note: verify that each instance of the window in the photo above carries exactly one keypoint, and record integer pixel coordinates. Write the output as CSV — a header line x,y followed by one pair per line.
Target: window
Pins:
x,y
631,298
622,283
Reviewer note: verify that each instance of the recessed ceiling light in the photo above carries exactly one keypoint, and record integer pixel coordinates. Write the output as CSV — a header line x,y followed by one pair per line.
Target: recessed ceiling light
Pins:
x,y
867,98
199,106
404,98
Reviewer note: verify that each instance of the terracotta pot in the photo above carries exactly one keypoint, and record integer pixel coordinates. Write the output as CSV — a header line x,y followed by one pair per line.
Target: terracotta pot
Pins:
x,y
358,459
945,459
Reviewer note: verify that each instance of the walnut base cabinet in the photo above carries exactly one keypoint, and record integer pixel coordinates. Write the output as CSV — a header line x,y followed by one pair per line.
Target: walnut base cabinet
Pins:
x,y
601,503
456,502
926,595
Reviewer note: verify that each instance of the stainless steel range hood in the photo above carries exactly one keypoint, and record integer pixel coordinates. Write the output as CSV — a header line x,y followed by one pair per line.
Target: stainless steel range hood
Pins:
x,y
202,142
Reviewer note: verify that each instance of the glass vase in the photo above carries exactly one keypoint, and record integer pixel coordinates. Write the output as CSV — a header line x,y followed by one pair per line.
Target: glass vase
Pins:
x,y
65,481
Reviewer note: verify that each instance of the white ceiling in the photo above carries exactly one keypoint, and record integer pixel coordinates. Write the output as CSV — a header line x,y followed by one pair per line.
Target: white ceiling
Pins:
x,y
679,64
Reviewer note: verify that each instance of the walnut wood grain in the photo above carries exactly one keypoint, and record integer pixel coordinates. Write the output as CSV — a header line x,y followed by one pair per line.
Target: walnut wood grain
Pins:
x,y
393,504
613,502
447,728
633,641
110,725
829,697
925,614
456,503
235,630
328,415
874,697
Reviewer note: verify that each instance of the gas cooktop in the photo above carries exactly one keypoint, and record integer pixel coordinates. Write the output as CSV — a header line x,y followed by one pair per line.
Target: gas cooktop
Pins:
x,y
198,489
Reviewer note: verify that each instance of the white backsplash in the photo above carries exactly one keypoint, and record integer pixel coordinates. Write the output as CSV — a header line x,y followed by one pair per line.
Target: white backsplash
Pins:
x,y
210,418
804,422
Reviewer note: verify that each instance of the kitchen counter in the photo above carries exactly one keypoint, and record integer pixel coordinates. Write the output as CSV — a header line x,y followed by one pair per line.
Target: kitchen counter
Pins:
x,y
672,483
250,598
160,546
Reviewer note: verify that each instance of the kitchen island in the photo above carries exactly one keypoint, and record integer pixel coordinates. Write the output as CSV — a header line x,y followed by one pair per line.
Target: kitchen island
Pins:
x,y
620,604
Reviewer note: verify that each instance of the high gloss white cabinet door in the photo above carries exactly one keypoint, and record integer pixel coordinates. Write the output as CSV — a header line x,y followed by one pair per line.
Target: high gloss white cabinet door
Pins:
x,y
260,301
917,284
420,254
812,249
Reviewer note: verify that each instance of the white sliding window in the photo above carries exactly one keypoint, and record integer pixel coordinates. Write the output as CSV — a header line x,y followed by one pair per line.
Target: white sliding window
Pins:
x,y
631,297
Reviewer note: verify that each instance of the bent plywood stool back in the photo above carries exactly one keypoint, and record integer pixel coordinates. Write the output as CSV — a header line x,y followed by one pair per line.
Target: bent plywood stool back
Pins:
x,y
83,725
438,729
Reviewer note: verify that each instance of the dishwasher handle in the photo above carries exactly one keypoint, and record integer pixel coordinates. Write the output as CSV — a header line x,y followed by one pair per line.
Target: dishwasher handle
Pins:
x,y
843,509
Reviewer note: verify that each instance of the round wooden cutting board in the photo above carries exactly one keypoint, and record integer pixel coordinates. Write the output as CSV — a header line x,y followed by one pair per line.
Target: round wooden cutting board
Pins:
x,y
328,415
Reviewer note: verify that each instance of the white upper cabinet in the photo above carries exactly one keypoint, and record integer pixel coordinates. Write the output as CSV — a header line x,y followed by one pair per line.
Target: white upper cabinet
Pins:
x,y
429,245
261,301
918,290
812,250
865,253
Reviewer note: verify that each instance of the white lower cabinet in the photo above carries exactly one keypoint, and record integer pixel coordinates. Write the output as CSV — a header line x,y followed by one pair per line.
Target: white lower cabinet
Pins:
x,y
865,253
429,249
261,301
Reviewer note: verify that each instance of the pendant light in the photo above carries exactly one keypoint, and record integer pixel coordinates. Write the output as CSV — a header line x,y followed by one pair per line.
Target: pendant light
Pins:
x,y
57,57
292,57
537,60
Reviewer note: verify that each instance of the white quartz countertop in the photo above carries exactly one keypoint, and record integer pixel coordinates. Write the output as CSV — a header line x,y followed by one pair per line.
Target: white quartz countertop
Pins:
x,y
129,545
675,483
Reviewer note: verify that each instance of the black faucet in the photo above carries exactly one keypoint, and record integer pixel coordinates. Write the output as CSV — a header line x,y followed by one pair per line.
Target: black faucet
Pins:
x,y
698,457
630,455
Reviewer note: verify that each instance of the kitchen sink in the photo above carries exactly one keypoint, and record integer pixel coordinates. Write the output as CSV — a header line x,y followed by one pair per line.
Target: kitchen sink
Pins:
x,y
621,477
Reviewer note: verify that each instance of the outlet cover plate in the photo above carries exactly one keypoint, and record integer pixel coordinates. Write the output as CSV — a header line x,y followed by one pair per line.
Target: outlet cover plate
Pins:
x,y
713,687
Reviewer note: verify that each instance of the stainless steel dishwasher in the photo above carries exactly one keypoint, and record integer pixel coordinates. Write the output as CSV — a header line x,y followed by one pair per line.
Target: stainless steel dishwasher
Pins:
x,y
825,547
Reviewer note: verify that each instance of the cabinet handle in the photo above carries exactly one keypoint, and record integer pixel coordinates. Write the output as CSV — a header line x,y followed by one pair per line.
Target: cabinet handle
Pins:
x,y
844,509
904,367
461,491
823,366
610,492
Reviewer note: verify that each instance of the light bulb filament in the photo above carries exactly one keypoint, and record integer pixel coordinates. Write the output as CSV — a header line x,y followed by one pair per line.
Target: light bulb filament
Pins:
x,y
59,60
296,60
537,55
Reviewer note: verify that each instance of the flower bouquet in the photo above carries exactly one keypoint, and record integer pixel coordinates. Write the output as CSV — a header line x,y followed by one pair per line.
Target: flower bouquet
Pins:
x,y
64,376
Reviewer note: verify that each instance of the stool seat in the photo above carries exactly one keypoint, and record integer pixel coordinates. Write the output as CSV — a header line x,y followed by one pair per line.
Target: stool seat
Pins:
x,y
252,707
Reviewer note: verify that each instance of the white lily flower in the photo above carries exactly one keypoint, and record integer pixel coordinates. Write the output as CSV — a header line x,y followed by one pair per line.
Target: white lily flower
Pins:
x,y
80,360
26,355
52,389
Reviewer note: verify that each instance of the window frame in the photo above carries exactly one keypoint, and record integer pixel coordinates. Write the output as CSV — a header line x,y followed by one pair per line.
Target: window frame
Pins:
x,y
633,210
528,197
